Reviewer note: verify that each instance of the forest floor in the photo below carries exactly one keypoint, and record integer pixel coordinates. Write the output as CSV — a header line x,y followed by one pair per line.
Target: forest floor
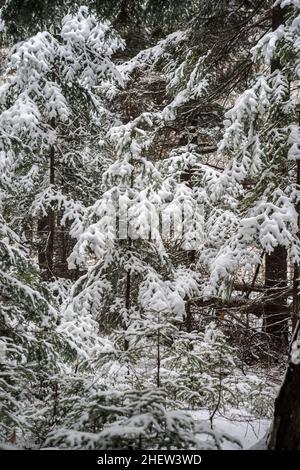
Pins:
x,y
247,429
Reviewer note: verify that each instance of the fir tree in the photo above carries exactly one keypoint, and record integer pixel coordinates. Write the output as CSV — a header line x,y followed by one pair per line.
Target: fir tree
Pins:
x,y
30,344
261,134
53,113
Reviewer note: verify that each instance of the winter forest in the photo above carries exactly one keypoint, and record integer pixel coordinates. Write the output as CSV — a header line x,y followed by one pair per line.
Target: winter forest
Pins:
x,y
149,224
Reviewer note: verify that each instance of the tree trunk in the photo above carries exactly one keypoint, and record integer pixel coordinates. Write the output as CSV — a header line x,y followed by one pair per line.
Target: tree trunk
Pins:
x,y
286,427
296,279
42,233
188,313
51,215
46,227
63,245
275,309
278,15
127,299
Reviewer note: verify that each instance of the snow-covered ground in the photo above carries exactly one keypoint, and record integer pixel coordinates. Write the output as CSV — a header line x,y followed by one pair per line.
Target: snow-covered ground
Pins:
x,y
248,430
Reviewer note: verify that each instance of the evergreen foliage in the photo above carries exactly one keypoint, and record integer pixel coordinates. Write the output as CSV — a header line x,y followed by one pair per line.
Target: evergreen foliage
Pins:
x,y
148,164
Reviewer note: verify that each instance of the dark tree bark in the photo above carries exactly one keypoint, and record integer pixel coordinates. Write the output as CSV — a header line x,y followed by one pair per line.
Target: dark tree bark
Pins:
x,y
46,227
286,427
127,296
63,246
188,312
275,309
278,15
62,265
51,216
42,233
296,279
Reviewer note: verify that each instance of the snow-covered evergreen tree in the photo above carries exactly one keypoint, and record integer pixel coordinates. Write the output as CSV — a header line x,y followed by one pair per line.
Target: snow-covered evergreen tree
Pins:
x,y
29,344
126,313
123,159
53,114
261,135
